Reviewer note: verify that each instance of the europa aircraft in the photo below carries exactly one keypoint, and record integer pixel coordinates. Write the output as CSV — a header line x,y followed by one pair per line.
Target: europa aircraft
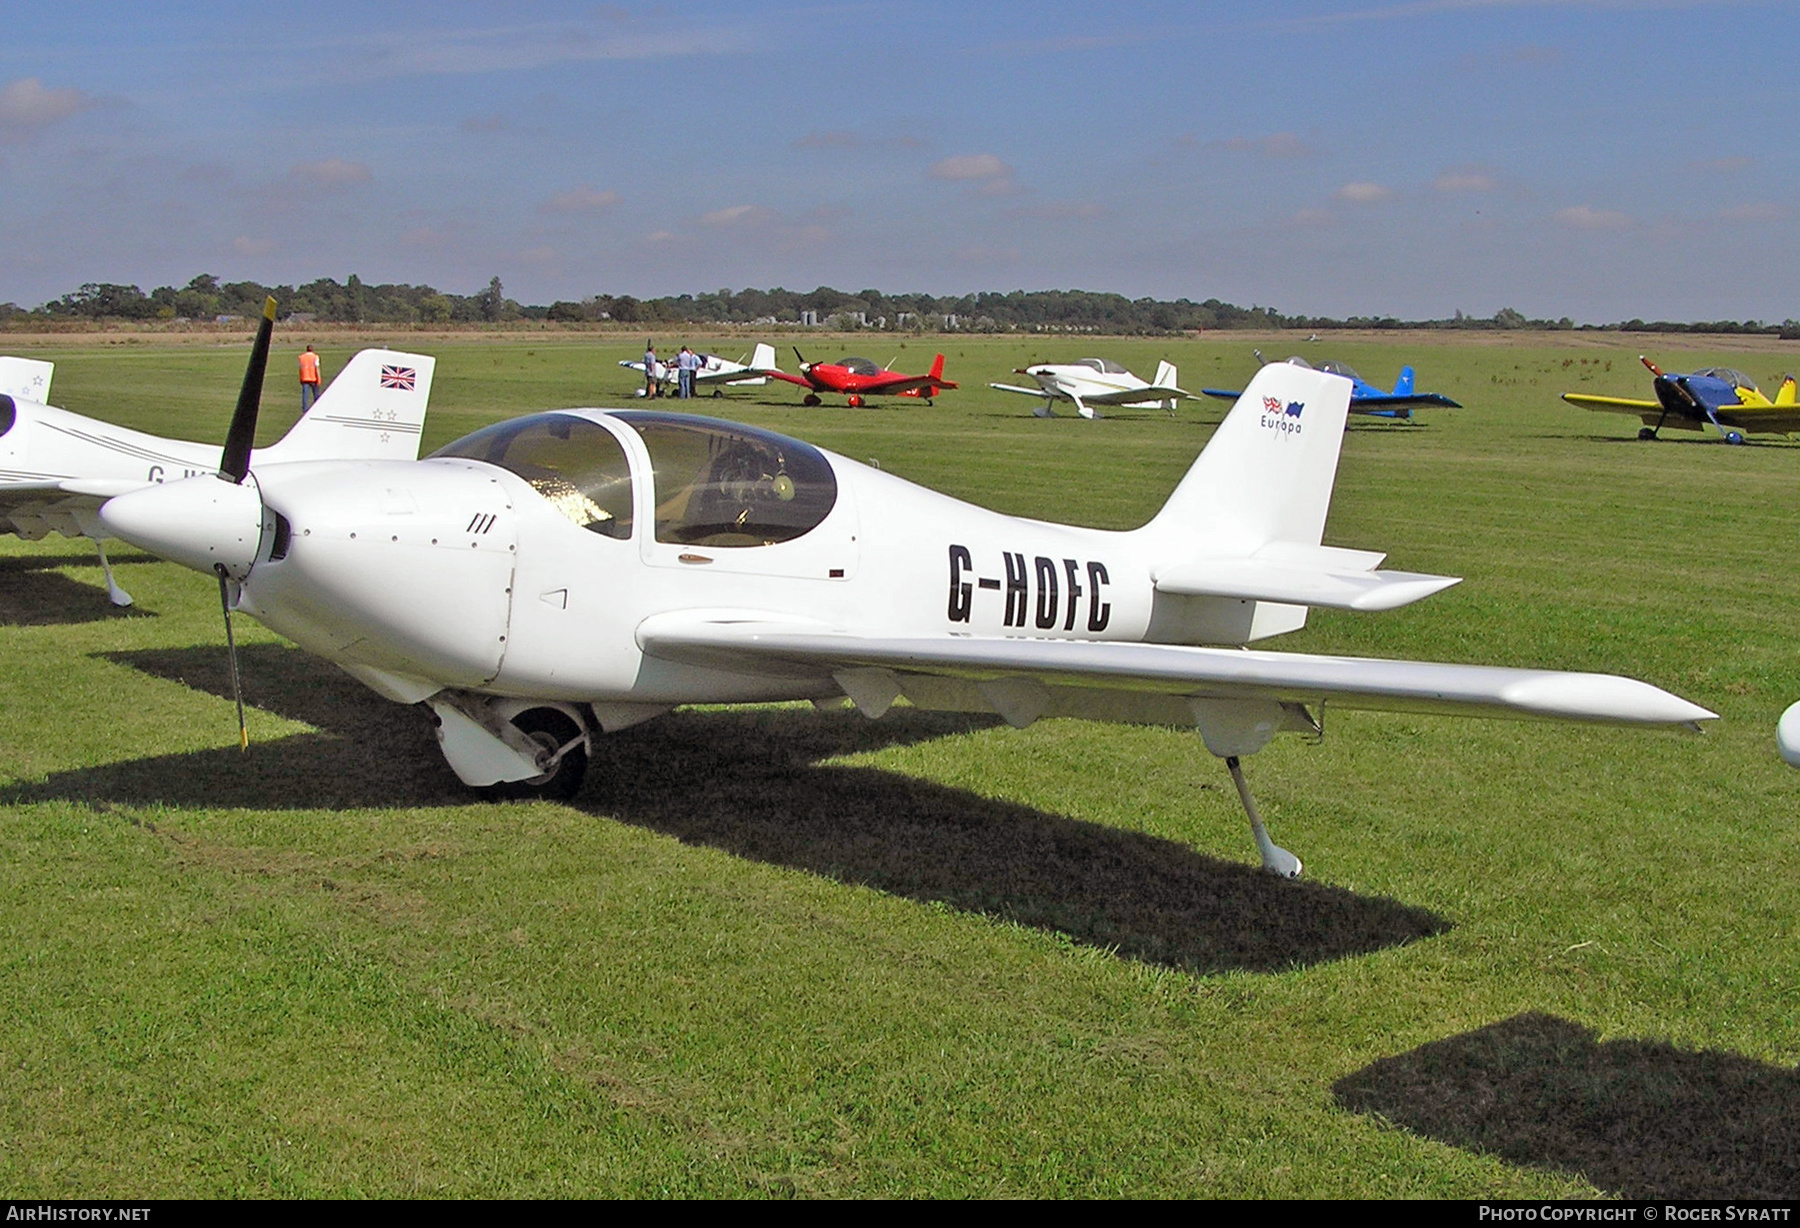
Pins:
x,y
56,468
1365,398
574,572
716,371
1092,382
1720,397
857,378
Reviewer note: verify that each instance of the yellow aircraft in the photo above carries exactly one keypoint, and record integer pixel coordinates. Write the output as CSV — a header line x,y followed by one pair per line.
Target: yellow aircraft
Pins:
x,y
1720,397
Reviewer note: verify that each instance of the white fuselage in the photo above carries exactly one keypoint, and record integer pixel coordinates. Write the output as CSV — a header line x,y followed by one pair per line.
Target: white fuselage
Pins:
x,y
1079,381
455,573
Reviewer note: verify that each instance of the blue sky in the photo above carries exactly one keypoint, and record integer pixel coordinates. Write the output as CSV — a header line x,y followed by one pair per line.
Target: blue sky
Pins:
x,y
1600,159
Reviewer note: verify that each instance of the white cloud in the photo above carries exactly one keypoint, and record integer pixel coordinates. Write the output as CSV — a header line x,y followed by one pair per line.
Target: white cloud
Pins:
x,y
27,107
584,199
1755,211
1586,217
1363,193
1466,179
332,174
739,215
964,167
1275,145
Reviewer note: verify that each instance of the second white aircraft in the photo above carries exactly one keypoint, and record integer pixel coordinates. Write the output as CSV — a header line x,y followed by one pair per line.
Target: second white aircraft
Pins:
x,y
1093,382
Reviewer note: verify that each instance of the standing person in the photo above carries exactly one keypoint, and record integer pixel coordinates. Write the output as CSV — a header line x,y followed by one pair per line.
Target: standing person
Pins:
x,y
649,368
686,364
309,379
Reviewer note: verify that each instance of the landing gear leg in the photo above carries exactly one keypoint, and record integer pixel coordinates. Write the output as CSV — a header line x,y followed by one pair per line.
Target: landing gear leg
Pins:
x,y
1276,860
118,595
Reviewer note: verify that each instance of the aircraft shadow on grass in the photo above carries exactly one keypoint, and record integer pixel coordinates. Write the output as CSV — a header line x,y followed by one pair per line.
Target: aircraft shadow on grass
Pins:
x,y
751,782
1639,1118
34,593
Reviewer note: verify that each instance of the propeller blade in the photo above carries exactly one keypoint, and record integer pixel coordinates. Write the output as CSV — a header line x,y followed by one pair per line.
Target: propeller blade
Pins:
x,y
235,462
237,689
1654,369
802,358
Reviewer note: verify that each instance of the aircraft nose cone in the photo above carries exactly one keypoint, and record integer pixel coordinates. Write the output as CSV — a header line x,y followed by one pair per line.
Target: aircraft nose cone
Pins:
x,y
198,522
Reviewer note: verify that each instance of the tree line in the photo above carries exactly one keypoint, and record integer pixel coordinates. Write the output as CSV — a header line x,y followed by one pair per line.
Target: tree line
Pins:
x,y
353,301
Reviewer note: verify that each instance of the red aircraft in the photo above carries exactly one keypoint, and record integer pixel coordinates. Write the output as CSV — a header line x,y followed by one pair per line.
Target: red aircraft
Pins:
x,y
858,377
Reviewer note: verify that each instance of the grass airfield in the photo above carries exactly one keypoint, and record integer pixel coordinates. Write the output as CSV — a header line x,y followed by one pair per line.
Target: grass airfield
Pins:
x,y
776,952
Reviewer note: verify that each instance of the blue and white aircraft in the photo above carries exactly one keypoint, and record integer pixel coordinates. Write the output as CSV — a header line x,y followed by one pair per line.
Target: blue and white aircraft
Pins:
x,y
1365,398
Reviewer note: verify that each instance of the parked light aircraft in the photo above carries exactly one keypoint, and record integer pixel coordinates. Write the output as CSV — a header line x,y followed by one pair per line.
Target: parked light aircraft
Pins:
x,y
574,572
857,378
56,468
715,371
1365,398
1092,382
1720,397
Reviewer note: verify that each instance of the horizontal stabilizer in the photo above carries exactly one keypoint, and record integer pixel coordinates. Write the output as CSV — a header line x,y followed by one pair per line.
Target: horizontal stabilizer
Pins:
x,y
1302,575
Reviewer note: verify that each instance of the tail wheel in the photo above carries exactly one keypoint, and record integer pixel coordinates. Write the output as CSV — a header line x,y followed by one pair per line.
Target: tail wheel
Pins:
x,y
552,730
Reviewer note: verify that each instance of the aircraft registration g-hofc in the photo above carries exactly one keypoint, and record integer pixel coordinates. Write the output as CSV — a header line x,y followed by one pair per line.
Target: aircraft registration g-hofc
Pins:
x,y
1094,382
715,372
1722,398
1365,398
857,378
574,572
57,468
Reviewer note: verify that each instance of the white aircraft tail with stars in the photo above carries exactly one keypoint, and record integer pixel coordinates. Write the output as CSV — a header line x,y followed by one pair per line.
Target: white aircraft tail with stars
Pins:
x,y
56,467
552,578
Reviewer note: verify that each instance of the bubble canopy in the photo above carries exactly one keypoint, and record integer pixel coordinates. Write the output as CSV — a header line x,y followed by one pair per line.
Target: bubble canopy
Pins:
x,y
716,484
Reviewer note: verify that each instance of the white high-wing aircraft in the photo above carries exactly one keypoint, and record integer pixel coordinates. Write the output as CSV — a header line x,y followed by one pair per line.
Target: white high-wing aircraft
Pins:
x,y
555,576
716,371
1097,381
57,468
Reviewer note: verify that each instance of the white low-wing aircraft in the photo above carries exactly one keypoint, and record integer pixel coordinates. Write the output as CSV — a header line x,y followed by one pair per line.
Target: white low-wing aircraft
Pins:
x,y
552,577
717,372
1094,382
57,468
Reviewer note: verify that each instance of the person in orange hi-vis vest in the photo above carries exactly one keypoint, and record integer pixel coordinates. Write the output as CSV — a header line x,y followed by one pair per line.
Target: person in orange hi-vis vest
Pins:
x,y
309,379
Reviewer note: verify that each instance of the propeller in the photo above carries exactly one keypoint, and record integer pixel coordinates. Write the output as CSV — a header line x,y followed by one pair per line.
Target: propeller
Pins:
x,y
1654,369
804,365
234,466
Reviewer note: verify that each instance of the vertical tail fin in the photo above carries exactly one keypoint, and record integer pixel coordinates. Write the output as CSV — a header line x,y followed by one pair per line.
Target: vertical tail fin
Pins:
x,y
1403,387
937,367
1785,394
373,410
28,379
1165,375
764,357
1266,475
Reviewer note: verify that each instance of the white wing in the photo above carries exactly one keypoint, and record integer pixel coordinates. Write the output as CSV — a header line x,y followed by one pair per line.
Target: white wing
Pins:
x,y
1063,669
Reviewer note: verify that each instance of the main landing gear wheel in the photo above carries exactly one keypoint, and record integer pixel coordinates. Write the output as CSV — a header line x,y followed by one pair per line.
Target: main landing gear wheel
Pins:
x,y
811,398
553,731
855,402
1647,433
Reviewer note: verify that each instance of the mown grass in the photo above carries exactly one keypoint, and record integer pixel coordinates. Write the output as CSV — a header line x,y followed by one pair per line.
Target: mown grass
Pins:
x,y
773,951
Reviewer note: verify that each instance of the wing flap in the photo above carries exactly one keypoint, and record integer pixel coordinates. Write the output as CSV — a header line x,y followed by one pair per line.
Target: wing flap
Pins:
x,y
786,648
